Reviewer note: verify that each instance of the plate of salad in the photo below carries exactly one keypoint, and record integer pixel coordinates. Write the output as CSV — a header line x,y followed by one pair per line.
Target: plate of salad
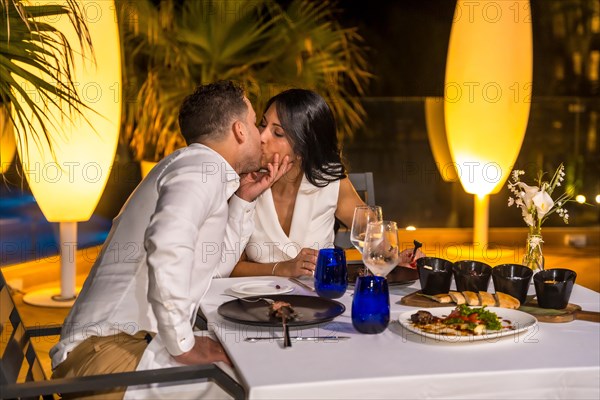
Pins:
x,y
466,324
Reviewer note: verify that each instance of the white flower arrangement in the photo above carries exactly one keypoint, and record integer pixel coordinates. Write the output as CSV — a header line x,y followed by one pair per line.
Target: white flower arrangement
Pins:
x,y
537,205
536,202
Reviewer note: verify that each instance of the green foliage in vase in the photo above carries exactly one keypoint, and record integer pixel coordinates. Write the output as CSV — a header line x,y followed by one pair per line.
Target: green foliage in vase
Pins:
x,y
33,51
175,46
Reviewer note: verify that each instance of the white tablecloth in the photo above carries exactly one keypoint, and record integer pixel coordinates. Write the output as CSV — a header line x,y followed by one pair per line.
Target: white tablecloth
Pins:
x,y
550,361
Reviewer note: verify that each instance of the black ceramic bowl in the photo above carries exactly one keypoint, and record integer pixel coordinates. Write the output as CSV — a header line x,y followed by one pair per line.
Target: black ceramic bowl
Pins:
x,y
435,275
553,287
512,279
472,275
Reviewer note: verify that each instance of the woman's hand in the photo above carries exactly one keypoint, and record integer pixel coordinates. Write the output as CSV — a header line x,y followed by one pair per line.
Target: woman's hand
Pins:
x,y
304,264
406,258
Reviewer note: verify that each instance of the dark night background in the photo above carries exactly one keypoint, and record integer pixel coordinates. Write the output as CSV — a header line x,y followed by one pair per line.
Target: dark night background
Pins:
x,y
408,42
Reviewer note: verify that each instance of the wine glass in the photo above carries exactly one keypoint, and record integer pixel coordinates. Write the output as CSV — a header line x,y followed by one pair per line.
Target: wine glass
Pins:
x,y
371,301
380,251
362,216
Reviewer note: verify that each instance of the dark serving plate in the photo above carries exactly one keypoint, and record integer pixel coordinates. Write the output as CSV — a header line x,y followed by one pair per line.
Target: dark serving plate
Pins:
x,y
398,277
311,310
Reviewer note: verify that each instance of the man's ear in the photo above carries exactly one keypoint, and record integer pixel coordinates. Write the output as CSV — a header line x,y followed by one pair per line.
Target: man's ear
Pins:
x,y
239,131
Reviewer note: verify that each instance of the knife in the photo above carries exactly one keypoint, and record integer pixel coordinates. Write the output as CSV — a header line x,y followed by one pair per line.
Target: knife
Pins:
x,y
297,338
304,285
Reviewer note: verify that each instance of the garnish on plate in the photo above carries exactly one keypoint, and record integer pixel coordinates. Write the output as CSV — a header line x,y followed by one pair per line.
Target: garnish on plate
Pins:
x,y
462,321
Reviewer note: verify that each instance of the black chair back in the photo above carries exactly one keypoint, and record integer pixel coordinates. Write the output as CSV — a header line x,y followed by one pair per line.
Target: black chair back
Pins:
x,y
22,374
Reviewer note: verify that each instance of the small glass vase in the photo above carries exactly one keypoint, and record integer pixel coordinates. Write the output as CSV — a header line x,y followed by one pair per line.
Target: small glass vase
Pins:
x,y
533,257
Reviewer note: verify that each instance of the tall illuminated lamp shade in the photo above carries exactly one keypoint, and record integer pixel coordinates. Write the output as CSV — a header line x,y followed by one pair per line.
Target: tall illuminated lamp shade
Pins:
x,y
7,141
487,96
67,184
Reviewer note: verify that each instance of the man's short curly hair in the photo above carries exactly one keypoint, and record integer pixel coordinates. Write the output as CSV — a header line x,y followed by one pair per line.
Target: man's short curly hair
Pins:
x,y
209,111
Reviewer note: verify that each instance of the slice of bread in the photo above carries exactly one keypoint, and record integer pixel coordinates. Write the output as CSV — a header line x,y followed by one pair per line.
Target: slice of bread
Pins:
x,y
486,299
471,297
442,298
507,301
457,297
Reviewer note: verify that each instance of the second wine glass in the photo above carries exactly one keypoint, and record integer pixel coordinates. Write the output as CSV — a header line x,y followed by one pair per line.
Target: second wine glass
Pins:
x,y
362,216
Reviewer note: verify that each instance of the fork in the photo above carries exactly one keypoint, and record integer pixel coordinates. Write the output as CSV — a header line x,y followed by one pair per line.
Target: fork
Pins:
x,y
418,245
285,315
247,300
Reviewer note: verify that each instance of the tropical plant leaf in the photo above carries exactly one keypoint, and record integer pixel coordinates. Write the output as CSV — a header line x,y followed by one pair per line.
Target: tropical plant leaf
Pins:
x,y
26,44
176,46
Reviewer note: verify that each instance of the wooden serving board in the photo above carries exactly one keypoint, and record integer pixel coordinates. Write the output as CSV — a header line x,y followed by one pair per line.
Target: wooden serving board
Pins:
x,y
570,313
416,300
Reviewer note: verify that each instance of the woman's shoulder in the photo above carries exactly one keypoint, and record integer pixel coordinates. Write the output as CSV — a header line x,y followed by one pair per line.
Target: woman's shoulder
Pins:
x,y
345,185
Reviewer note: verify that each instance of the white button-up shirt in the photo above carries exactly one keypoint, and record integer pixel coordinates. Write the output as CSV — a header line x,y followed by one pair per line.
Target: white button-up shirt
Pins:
x,y
164,247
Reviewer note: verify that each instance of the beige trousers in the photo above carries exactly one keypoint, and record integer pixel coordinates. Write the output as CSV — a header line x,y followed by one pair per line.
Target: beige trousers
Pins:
x,y
103,355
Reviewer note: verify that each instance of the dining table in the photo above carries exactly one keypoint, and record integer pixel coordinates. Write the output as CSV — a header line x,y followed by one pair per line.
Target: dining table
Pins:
x,y
548,360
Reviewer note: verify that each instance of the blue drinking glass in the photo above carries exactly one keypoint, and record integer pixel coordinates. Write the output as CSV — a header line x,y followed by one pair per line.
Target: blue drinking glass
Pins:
x,y
371,304
331,274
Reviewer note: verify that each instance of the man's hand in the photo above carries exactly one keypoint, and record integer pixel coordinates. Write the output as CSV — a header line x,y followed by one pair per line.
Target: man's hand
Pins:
x,y
254,183
205,351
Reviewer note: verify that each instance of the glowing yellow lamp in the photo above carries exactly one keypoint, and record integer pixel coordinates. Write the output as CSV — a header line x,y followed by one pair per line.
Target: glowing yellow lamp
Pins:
x,y
68,183
487,96
7,141
438,140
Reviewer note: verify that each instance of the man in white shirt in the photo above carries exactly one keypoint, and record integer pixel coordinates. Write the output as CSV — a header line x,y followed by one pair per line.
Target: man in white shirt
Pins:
x,y
167,243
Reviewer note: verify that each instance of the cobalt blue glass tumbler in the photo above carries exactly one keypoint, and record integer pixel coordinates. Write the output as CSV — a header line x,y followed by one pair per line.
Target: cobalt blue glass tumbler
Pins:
x,y
371,304
331,273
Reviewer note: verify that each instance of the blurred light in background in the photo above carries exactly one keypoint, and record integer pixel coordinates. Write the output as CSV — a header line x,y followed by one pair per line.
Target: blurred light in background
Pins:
x,y
487,94
8,146
581,198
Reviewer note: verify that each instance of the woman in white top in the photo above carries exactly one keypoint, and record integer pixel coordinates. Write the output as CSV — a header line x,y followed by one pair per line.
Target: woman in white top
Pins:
x,y
295,218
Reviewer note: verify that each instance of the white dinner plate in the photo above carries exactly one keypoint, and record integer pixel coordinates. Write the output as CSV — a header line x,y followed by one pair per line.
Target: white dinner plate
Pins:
x,y
519,321
261,288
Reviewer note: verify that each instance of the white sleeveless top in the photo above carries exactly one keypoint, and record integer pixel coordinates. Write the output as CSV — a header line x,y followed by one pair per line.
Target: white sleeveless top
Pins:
x,y
312,224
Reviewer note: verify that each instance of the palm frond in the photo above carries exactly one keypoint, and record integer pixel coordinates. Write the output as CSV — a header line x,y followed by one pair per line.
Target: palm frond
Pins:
x,y
267,48
27,44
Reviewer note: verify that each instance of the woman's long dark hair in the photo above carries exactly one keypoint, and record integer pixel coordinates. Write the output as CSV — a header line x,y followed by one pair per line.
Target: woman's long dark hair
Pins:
x,y
310,126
